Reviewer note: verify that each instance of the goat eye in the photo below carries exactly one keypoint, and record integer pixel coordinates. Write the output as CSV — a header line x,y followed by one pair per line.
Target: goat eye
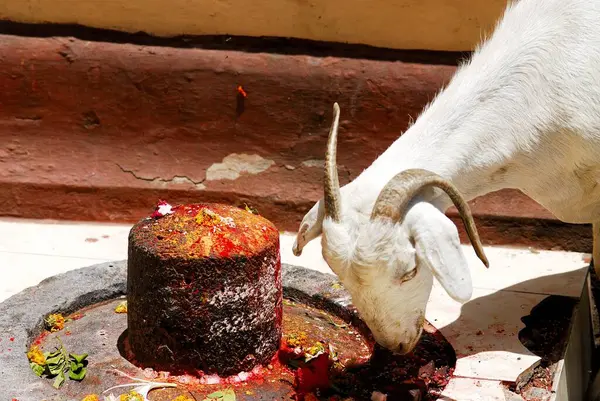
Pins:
x,y
410,275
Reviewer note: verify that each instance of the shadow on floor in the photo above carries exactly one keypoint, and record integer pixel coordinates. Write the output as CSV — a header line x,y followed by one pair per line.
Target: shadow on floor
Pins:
x,y
546,325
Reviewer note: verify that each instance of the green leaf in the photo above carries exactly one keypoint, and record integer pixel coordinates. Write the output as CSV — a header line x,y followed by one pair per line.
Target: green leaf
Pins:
x,y
223,395
37,369
76,366
78,358
54,354
55,360
54,363
229,395
339,326
56,369
78,374
60,379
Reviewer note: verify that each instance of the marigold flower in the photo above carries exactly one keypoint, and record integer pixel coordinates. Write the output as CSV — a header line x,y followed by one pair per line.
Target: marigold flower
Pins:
x,y
91,397
131,396
36,355
296,340
55,322
122,307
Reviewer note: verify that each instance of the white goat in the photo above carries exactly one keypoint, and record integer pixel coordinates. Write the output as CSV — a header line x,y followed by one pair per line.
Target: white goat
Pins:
x,y
523,113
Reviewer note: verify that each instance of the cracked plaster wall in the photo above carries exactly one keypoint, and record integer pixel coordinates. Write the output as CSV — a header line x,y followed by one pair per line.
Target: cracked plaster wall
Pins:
x,y
231,168
101,131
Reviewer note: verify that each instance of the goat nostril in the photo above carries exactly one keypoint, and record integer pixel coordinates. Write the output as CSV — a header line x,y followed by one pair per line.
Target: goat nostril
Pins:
x,y
296,250
402,349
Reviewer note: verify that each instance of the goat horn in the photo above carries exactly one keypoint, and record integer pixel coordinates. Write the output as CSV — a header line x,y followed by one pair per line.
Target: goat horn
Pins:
x,y
394,199
332,184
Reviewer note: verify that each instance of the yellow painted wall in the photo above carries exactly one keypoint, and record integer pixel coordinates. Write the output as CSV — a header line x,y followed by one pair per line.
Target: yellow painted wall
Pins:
x,y
400,24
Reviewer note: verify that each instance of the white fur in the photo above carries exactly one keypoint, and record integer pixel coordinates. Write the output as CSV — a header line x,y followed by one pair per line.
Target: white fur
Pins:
x,y
523,113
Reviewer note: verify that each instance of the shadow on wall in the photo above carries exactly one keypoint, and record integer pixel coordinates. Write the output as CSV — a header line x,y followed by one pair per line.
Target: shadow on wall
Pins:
x,y
276,45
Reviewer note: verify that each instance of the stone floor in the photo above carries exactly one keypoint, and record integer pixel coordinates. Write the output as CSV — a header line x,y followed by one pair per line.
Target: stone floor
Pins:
x,y
517,280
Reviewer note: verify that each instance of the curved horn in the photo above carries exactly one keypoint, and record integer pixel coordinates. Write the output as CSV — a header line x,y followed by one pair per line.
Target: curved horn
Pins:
x,y
332,184
395,197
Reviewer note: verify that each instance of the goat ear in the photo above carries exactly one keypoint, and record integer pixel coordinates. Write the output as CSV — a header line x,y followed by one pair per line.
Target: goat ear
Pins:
x,y
438,247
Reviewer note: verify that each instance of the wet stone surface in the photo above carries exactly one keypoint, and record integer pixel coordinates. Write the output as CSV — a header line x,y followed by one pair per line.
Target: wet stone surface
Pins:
x,y
101,332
